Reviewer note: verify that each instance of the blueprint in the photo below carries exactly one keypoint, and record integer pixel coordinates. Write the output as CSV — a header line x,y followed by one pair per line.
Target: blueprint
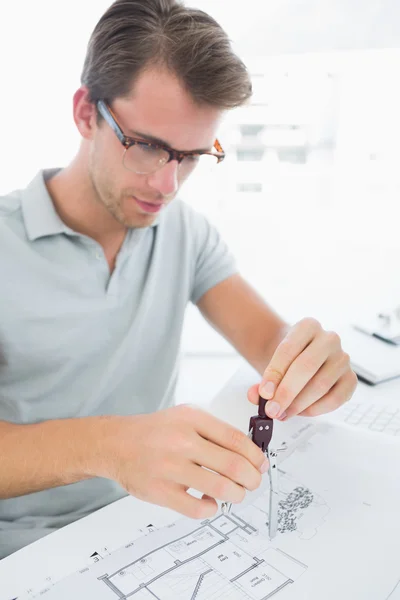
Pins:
x,y
335,521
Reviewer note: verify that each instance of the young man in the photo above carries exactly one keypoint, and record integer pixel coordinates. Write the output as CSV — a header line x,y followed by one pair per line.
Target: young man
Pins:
x,y
98,262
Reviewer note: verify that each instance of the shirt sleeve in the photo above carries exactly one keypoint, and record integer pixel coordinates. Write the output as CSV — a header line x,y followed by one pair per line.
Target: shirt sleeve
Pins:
x,y
213,261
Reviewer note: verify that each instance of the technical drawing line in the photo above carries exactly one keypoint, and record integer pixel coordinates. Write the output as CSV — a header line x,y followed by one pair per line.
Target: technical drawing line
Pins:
x,y
111,586
169,544
220,532
168,570
198,584
246,571
153,594
395,593
291,558
242,523
278,589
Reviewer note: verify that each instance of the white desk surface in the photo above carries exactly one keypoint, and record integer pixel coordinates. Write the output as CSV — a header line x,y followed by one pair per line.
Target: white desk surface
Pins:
x,y
69,548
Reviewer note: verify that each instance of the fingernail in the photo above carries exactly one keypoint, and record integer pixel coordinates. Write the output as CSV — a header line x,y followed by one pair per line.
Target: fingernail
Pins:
x,y
272,409
283,416
268,390
264,467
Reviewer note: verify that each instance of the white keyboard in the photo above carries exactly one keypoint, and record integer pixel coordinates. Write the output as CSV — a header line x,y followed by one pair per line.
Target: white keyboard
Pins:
x,y
375,417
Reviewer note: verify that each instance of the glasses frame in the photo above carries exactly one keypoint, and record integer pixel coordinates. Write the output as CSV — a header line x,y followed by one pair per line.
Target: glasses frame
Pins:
x,y
128,141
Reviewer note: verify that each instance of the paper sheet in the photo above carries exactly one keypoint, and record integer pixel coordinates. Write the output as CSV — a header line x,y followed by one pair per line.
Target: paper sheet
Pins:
x,y
339,536
395,593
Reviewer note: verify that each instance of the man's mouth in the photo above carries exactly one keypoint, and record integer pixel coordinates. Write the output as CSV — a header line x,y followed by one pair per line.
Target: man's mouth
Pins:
x,y
149,207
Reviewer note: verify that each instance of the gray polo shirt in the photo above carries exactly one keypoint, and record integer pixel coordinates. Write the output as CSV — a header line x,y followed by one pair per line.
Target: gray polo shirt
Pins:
x,y
76,342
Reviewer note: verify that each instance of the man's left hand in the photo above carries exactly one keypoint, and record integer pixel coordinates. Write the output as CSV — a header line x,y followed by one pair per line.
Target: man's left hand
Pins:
x,y
309,374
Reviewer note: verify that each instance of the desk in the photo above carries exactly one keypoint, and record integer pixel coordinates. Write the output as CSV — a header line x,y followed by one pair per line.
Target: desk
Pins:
x,y
107,527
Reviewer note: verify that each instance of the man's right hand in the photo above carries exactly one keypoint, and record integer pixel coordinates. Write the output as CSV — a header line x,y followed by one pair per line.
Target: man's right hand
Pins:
x,y
159,456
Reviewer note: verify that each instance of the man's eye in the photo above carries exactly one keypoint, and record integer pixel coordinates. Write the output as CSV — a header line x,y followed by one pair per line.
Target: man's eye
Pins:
x,y
147,148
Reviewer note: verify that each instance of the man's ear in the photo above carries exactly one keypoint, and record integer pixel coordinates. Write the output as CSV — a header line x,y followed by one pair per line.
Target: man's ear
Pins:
x,y
84,113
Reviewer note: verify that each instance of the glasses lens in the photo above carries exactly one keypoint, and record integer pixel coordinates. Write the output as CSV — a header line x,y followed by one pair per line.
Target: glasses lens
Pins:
x,y
143,158
204,163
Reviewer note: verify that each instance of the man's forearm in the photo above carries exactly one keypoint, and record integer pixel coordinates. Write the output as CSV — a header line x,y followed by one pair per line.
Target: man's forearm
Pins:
x,y
242,316
48,454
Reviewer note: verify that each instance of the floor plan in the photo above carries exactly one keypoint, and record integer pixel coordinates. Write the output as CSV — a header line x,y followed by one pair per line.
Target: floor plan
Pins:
x,y
333,527
220,555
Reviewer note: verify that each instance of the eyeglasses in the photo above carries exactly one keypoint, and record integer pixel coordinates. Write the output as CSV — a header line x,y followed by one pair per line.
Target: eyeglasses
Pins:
x,y
144,157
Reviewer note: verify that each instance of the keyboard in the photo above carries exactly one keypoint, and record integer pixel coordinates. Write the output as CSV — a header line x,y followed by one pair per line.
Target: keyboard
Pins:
x,y
375,417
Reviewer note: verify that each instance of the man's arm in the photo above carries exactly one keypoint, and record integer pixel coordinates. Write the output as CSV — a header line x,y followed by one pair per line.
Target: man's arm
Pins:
x,y
155,457
242,317
45,455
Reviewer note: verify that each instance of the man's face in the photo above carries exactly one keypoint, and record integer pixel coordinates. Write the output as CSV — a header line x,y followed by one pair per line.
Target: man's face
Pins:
x,y
158,107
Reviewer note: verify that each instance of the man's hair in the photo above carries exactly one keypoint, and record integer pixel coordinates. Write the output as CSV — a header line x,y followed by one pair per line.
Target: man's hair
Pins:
x,y
133,35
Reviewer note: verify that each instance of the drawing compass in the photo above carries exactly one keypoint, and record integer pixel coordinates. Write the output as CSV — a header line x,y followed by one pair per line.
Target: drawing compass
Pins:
x,y
260,431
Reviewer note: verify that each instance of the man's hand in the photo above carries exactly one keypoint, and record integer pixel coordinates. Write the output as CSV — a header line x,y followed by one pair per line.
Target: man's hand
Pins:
x,y
158,457
309,374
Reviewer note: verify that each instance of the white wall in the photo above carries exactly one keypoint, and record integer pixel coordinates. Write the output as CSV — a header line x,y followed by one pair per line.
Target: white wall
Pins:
x,y
321,240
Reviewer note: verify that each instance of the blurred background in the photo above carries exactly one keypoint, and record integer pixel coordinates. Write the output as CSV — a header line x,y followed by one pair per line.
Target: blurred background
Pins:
x,y
308,196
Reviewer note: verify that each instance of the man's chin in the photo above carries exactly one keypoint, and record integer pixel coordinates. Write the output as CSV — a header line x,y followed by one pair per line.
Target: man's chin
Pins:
x,y
138,221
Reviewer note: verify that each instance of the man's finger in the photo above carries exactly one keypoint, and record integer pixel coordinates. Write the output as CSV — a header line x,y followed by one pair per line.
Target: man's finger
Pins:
x,y
231,465
287,351
301,372
175,496
253,394
298,338
212,484
226,436
320,384
340,393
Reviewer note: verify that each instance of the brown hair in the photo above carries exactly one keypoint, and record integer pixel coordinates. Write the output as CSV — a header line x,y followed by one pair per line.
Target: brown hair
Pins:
x,y
135,34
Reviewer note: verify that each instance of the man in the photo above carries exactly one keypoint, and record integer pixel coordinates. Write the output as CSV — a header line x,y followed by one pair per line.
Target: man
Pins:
x,y
98,262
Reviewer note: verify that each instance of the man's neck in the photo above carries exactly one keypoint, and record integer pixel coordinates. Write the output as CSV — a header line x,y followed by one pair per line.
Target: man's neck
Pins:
x,y
75,201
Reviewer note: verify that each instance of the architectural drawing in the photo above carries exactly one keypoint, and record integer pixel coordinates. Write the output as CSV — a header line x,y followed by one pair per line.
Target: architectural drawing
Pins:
x,y
326,506
217,556
300,510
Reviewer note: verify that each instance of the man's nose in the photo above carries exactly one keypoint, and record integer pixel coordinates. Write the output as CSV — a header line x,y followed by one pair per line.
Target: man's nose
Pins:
x,y
166,179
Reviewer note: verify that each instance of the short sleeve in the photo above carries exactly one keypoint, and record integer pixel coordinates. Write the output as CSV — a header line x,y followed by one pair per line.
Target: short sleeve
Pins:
x,y
213,260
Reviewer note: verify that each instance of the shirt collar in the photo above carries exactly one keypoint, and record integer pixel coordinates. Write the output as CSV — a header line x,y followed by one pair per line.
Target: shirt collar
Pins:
x,y
40,217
